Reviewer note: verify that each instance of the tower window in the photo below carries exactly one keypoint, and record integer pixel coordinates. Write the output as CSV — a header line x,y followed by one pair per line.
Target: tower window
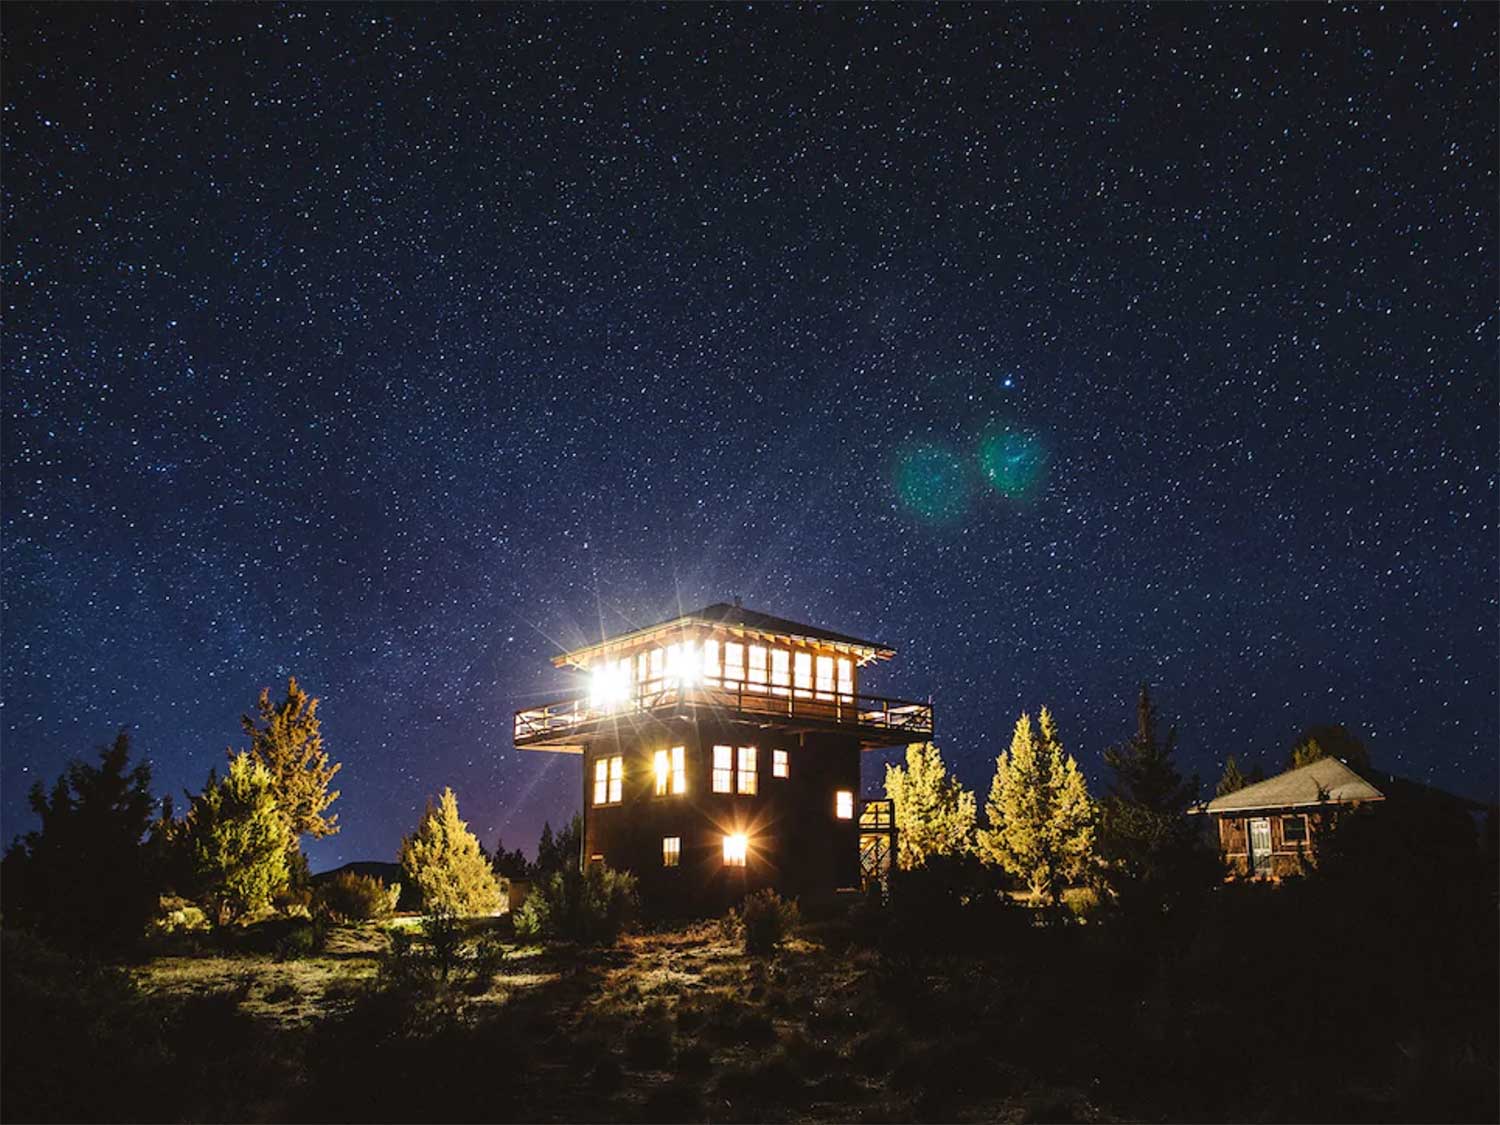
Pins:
x,y
802,673
757,680
609,780
711,662
825,677
781,671
662,764
843,804
748,779
846,676
779,764
671,851
601,781
735,847
734,662
616,779
723,769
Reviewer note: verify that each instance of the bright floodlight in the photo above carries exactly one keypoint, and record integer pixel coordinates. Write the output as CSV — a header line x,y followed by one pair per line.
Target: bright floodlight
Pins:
x,y
610,685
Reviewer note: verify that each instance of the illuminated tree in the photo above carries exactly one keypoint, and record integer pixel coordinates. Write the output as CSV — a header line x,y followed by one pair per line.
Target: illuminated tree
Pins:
x,y
1041,819
1233,779
444,861
288,742
934,813
236,840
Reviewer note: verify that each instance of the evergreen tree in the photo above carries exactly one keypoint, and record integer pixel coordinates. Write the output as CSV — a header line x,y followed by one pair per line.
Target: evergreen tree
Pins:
x,y
561,852
236,841
84,877
443,860
509,864
1041,820
1233,779
1149,842
1329,741
934,813
288,741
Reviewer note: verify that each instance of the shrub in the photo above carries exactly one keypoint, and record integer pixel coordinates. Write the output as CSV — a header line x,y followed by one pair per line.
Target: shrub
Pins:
x,y
763,922
351,897
442,858
588,907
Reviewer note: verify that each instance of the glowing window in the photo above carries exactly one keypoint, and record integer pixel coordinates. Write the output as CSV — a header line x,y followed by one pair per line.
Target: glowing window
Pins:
x,y
711,662
843,804
734,662
779,764
671,851
657,666
757,668
674,662
679,769
735,847
781,671
616,779
825,677
663,766
846,676
723,769
748,781
802,669
601,781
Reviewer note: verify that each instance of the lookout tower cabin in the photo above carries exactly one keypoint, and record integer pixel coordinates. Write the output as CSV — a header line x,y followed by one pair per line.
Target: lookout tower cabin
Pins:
x,y
720,754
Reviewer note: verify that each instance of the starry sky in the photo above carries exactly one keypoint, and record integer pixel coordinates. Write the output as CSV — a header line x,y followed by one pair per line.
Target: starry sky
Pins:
x,y
1057,347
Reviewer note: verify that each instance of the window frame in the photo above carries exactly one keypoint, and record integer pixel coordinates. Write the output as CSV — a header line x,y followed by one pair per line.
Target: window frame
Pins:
x,y
843,799
781,763
723,775
746,778
671,851
616,779
739,855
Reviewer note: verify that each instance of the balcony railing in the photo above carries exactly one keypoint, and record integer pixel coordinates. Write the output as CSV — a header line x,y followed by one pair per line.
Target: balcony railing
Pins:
x,y
556,722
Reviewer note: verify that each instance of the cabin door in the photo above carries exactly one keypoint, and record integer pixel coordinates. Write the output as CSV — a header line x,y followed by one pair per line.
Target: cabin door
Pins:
x,y
1260,846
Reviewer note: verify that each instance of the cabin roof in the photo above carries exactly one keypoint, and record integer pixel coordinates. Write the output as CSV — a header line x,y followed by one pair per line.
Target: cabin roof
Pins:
x,y
1326,781
736,618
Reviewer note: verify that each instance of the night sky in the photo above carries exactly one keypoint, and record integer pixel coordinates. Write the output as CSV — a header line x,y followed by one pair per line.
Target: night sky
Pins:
x,y
1058,348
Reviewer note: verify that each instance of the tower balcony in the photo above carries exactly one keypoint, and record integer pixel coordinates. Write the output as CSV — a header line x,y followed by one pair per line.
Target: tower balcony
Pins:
x,y
876,721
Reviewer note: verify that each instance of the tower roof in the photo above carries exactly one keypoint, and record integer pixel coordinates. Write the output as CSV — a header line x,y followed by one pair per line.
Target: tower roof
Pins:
x,y
736,619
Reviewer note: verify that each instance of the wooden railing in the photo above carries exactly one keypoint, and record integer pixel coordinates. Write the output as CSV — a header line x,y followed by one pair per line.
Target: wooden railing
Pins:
x,y
555,721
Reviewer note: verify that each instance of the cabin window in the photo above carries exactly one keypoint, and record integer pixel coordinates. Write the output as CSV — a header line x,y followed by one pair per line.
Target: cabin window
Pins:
x,y
825,677
781,671
846,676
843,804
757,667
734,662
779,764
711,662
671,851
601,781
802,673
1294,829
616,779
723,769
734,850
748,782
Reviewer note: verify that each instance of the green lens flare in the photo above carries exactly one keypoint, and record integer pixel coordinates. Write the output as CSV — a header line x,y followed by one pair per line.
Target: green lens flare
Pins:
x,y
930,481
1014,462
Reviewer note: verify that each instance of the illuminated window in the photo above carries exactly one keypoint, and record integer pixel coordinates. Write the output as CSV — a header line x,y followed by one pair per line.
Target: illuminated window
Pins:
x,y
616,779
757,668
610,684
825,677
711,662
748,781
846,676
679,769
781,671
601,781
843,804
723,769
640,667
671,851
674,662
657,668
802,668
734,662
663,765
735,847
779,765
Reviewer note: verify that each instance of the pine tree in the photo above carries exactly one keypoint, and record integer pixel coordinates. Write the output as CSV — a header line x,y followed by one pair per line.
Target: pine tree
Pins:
x,y
1233,779
288,741
85,876
934,813
1149,842
443,860
236,838
1041,820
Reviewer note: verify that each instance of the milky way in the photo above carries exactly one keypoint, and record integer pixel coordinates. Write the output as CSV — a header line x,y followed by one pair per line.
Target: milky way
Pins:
x,y
1058,348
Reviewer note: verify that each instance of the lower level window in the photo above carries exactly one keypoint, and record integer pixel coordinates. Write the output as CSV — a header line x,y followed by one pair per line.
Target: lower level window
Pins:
x,y
735,847
843,804
1294,829
671,851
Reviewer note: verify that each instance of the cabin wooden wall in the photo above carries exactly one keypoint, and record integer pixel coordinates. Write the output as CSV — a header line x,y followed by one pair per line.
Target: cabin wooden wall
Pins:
x,y
1287,857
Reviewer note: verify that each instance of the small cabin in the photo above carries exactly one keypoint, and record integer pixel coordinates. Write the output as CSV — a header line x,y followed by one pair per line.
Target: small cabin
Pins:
x,y
1270,830
720,753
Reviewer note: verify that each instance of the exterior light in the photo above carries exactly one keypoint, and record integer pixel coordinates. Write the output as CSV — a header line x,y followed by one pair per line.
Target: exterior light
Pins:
x,y
609,685
735,847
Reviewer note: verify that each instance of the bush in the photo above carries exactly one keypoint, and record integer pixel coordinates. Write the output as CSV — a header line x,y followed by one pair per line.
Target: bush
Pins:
x,y
588,907
763,922
350,897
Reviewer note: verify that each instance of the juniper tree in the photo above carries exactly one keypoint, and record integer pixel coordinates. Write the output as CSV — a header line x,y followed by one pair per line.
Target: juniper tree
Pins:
x,y
236,838
934,813
1233,779
443,860
288,741
1041,819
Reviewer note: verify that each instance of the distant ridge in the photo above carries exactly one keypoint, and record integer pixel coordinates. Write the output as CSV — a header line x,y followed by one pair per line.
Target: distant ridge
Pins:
x,y
388,873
